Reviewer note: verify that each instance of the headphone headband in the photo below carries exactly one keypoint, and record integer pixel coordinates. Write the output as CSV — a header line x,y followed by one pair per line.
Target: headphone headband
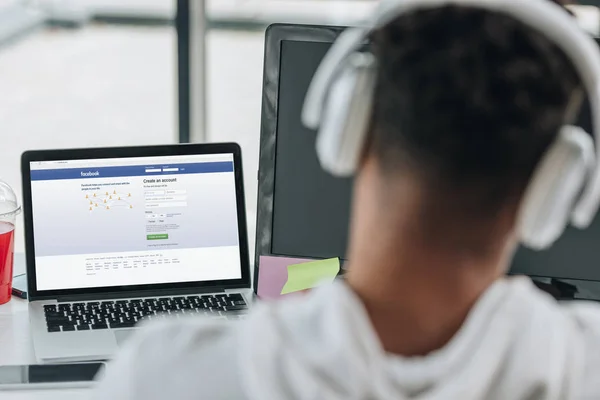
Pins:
x,y
548,18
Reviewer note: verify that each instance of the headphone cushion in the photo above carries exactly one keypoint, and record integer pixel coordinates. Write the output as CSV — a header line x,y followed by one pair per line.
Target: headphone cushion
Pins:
x,y
554,187
346,117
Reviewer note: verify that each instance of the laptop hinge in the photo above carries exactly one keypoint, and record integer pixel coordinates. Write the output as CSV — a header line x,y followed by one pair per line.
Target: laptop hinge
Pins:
x,y
128,295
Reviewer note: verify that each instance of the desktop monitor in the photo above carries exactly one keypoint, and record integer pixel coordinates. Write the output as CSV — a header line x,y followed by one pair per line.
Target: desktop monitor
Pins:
x,y
303,211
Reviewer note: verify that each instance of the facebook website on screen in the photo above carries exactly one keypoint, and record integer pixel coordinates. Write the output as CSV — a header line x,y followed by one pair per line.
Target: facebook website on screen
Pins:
x,y
133,221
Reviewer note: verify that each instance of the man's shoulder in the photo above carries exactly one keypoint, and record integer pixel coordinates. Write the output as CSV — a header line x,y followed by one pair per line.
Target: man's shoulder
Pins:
x,y
585,316
579,321
176,359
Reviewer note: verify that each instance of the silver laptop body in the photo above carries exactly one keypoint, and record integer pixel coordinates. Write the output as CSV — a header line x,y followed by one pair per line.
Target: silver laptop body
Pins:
x,y
116,236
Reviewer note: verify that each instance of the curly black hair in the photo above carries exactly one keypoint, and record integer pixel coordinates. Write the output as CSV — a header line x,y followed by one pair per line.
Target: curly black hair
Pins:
x,y
470,100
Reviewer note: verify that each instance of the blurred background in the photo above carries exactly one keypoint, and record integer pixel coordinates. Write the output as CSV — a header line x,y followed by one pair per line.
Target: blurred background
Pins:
x,y
79,73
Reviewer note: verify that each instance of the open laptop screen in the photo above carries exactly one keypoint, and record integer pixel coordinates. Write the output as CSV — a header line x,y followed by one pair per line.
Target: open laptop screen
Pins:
x,y
134,221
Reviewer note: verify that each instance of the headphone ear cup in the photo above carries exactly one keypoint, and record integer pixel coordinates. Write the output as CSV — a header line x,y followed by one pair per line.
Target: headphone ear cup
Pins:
x,y
555,185
346,116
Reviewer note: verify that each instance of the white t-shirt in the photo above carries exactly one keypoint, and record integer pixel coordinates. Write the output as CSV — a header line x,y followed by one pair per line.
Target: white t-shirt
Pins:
x,y
517,343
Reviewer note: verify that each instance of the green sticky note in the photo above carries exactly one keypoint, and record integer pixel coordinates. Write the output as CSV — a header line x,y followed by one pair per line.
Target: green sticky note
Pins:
x,y
308,275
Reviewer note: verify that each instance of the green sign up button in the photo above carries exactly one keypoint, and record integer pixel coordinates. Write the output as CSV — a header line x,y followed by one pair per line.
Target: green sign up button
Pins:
x,y
158,236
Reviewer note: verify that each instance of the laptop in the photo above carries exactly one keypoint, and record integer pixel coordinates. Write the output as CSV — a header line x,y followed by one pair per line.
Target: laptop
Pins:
x,y
115,236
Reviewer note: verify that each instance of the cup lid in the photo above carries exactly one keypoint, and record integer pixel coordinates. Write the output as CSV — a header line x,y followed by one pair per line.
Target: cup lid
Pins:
x,y
8,200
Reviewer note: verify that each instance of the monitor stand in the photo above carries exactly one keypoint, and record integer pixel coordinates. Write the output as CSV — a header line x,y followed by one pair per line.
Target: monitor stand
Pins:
x,y
558,289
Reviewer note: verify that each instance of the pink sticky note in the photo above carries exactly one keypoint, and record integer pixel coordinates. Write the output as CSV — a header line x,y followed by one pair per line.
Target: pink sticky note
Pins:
x,y
273,274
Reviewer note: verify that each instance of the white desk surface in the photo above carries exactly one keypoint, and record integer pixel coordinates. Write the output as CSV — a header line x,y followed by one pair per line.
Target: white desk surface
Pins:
x,y
16,346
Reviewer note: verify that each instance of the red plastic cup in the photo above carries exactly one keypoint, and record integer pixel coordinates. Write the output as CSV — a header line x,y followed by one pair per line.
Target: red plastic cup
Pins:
x,y
9,209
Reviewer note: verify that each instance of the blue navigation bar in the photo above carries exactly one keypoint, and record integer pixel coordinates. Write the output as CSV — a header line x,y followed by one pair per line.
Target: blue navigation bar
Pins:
x,y
131,170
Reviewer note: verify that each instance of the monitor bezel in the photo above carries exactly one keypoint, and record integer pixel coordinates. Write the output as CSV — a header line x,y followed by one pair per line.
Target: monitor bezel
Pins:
x,y
127,152
274,36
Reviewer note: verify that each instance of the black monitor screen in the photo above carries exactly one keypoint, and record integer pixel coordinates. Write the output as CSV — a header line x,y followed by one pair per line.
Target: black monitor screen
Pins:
x,y
311,208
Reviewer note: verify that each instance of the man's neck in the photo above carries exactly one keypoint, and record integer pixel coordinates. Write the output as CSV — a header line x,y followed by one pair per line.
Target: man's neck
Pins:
x,y
419,268
414,307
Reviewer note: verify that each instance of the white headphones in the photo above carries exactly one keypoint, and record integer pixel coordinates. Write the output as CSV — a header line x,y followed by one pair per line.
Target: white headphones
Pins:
x,y
566,183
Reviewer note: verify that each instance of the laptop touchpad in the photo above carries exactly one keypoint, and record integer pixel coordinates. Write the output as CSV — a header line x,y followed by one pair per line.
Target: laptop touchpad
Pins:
x,y
122,335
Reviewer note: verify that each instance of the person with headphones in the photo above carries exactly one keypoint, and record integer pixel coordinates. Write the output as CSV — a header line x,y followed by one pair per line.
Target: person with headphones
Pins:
x,y
457,124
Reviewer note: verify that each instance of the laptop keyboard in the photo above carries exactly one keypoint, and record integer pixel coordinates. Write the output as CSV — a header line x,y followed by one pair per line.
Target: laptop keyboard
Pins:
x,y
126,313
